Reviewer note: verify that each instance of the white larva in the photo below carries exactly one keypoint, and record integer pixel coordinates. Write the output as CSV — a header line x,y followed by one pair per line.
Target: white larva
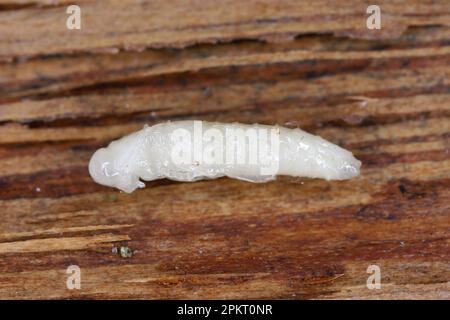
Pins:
x,y
194,150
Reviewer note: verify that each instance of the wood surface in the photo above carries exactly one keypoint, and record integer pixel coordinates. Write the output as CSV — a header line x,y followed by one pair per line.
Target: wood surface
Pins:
x,y
383,94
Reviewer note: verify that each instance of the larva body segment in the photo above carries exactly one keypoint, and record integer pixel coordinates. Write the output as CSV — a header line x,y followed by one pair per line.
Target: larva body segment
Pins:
x,y
194,150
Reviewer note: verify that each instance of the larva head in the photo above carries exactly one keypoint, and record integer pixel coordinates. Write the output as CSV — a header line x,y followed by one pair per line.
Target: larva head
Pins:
x,y
108,168
333,162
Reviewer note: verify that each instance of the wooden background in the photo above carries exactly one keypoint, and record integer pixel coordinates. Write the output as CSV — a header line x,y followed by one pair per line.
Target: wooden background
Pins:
x,y
385,95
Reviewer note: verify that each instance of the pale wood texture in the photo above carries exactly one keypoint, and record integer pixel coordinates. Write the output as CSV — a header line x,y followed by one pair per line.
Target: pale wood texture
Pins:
x,y
385,95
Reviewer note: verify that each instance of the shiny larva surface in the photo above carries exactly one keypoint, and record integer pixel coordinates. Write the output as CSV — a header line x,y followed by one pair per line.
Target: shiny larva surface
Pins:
x,y
208,150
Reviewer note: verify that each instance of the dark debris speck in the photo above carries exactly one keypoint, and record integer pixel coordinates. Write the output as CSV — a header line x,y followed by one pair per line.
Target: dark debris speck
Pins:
x,y
125,252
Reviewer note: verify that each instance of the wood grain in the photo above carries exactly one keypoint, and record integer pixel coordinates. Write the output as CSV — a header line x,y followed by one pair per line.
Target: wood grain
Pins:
x,y
385,95
115,24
